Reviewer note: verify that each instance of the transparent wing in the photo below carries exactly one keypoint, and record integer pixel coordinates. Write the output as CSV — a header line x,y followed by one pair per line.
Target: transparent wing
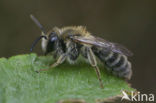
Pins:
x,y
96,41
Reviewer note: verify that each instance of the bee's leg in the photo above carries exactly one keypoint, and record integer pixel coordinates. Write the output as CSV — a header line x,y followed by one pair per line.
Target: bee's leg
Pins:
x,y
93,62
60,60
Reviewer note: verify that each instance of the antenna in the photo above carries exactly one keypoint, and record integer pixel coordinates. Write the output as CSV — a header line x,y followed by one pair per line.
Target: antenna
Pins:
x,y
36,41
42,29
38,23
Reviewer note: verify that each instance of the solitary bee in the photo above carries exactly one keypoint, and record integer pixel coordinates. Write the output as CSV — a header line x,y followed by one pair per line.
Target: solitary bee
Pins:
x,y
68,43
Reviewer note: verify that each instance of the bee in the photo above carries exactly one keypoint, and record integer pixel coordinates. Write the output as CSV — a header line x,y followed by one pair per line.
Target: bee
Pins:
x,y
68,43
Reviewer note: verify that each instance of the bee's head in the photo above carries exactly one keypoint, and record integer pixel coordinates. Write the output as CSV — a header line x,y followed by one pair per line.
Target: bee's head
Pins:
x,y
50,44
48,41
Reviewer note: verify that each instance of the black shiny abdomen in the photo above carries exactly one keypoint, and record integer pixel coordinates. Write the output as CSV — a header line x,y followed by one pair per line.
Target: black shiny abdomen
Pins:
x,y
115,62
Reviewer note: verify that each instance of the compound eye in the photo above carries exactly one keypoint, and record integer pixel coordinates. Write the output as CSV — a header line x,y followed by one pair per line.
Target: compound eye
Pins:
x,y
52,34
53,38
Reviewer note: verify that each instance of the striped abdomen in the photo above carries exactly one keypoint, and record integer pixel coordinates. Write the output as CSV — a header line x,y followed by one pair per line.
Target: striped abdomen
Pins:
x,y
115,62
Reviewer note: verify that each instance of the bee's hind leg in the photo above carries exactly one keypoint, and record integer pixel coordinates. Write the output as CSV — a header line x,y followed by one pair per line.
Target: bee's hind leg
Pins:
x,y
60,60
93,62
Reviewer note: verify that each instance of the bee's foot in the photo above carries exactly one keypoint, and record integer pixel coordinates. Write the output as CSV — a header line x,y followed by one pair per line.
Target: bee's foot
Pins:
x,y
37,71
101,86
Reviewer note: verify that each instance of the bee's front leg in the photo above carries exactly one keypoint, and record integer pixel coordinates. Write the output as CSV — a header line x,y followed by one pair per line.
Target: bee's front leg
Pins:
x,y
60,60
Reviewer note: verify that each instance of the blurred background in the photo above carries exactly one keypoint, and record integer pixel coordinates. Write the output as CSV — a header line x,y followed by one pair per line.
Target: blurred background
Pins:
x,y
131,23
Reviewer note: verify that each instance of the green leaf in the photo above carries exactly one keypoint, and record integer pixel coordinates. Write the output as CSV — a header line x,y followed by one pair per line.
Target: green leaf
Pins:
x,y
19,83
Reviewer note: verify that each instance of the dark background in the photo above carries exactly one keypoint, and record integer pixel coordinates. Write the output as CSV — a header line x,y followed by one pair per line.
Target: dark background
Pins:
x,y
131,23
